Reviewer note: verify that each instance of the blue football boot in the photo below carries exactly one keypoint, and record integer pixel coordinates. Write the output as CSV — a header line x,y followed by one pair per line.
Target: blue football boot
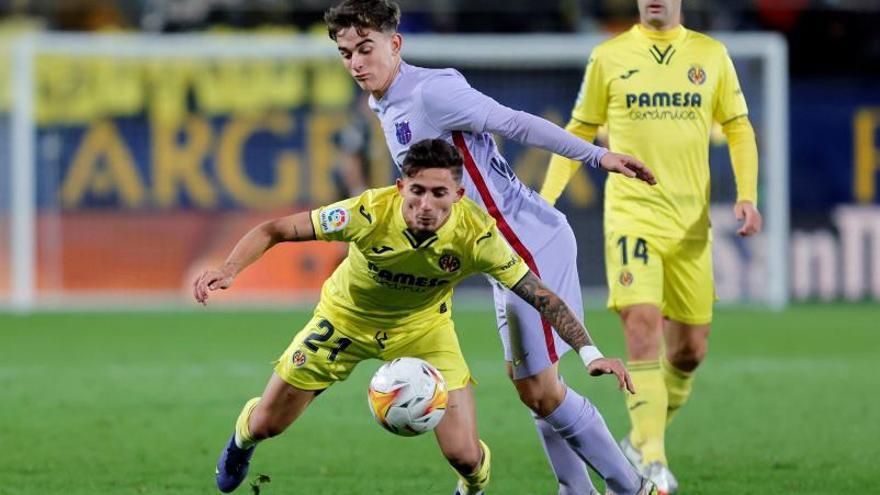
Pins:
x,y
232,468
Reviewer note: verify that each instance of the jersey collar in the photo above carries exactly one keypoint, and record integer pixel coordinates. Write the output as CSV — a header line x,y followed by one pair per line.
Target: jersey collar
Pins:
x,y
400,225
382,103
670,37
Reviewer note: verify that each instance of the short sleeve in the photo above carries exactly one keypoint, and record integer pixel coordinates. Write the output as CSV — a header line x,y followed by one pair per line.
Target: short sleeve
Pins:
x,y
344,220
495,257
592,100
730,102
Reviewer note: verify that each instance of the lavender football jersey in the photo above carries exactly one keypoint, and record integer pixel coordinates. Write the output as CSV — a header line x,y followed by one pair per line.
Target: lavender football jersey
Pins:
x,y
439,103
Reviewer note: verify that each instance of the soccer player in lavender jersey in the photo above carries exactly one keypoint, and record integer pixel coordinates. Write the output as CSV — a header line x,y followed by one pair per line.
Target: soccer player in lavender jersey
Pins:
x,y
414,103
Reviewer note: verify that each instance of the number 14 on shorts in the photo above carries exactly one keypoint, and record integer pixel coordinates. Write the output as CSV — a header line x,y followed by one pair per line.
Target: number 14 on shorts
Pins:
x,y
639,251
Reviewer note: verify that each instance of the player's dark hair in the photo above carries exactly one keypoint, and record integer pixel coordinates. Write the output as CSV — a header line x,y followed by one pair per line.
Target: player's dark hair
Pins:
x,y
378,15
432,153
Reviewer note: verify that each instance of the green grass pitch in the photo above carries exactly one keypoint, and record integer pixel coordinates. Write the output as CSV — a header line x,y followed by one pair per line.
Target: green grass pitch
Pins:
x,y
140,403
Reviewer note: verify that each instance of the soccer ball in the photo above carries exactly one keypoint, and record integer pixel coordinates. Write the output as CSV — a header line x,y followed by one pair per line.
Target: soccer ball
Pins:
x,y
407,396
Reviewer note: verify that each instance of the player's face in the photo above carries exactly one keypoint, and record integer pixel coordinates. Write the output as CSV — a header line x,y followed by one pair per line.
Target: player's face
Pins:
x,y
371,57
660,14
428,197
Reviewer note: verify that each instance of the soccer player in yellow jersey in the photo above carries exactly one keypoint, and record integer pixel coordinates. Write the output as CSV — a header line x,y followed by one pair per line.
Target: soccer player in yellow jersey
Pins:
x,y
659,87
392,297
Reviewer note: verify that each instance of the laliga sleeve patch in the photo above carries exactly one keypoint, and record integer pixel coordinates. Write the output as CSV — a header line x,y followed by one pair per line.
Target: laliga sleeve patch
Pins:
x,y
334,219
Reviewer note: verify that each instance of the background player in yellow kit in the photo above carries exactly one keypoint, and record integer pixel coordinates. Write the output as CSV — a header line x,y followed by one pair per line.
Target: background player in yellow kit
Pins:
x,y
659,87
409,246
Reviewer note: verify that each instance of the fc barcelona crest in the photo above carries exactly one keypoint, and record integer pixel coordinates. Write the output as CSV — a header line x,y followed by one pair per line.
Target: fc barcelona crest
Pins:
x,y
697,75
449,263
404,133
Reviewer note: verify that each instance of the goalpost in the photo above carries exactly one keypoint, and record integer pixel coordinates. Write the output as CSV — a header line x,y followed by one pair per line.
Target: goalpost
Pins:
x,y
505,66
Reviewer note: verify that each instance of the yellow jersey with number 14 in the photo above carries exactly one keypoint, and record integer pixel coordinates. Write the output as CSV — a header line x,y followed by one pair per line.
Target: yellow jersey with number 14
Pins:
x,y
659,93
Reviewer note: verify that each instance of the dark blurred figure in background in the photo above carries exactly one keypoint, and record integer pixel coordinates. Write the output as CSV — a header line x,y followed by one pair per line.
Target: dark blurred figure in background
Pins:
x,y
351,171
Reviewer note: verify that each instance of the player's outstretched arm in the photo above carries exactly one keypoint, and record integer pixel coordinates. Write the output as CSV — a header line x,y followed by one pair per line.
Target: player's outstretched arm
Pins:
x,y
628,166
292,228
561,169
532,130
554,309
451,104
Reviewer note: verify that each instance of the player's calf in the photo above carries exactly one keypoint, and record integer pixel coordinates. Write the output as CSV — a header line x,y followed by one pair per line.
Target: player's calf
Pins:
x,y
259,419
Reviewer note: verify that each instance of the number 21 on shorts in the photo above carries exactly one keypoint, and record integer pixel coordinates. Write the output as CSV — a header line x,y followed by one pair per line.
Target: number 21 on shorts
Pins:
x,y
341,342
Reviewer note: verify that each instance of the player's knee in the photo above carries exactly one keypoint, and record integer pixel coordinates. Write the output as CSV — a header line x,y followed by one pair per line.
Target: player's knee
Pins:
x,y
688,357
465,458
532,399
539,397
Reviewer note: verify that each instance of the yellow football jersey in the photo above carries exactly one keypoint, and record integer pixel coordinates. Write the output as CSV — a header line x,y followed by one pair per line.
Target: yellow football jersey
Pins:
x,y
391,279
659,93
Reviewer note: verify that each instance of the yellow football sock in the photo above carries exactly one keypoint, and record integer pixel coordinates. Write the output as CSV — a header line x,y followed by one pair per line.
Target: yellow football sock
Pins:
x,y
242,434
678,387
647,410
478,480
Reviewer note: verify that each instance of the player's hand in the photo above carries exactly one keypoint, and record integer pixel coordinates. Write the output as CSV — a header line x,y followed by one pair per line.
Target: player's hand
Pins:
x,y
628,166
609,366
751,219
209,280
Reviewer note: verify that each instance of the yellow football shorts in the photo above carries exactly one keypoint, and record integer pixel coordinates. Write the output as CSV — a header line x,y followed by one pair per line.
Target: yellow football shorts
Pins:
x,y
673,274
327,350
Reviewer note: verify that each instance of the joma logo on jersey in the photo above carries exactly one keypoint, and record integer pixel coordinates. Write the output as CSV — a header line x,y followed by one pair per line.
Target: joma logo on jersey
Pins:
x,y
389,277
677,99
